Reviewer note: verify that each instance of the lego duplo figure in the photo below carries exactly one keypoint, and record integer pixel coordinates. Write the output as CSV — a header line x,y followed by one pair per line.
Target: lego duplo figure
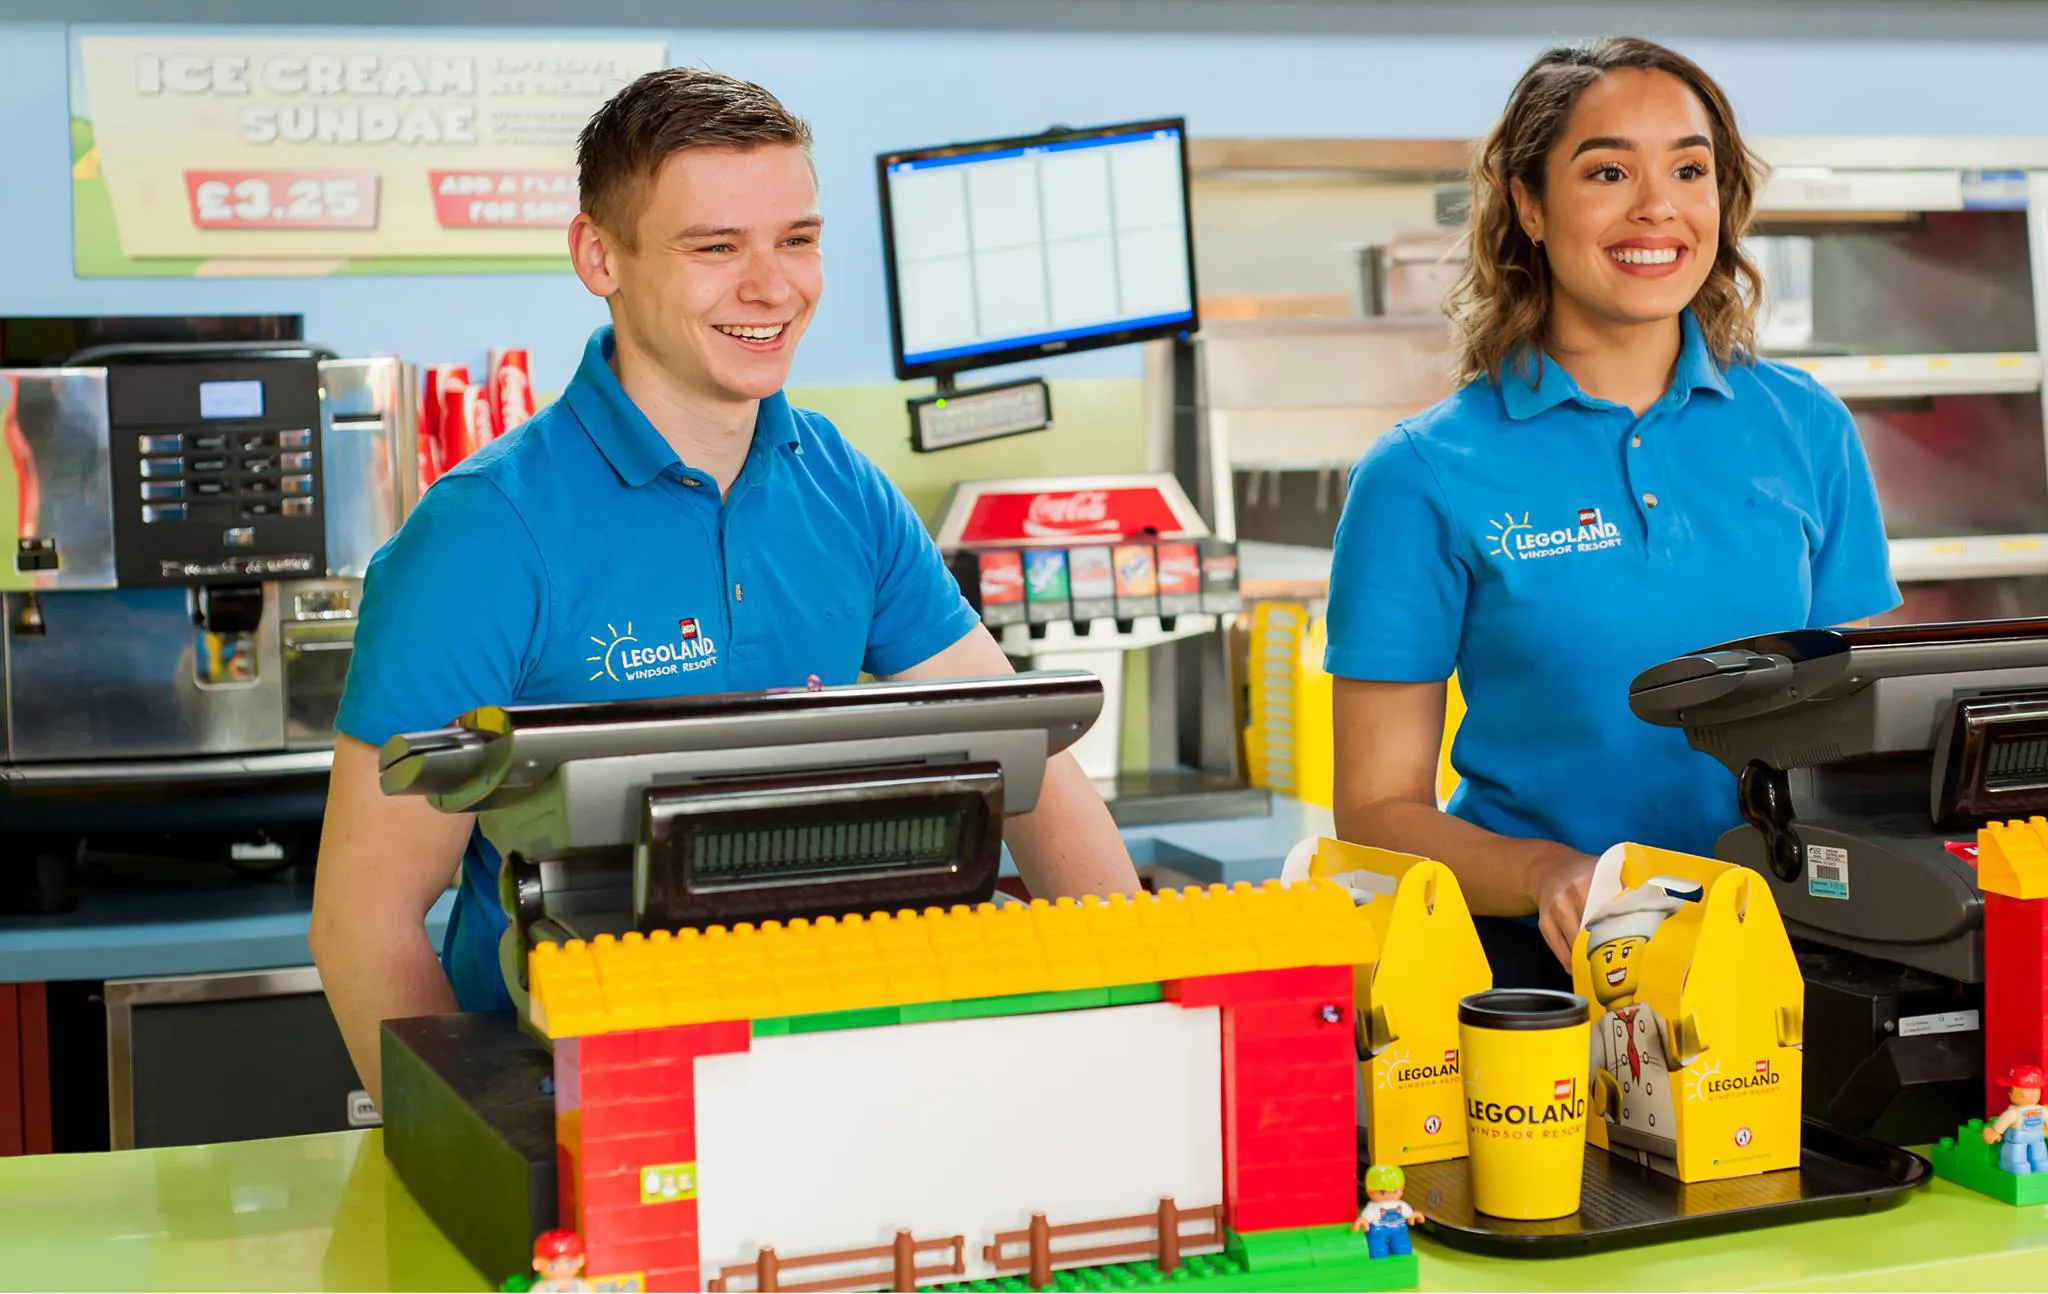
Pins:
x,y
2021,1128
1632,1067
558,1262
1385,1219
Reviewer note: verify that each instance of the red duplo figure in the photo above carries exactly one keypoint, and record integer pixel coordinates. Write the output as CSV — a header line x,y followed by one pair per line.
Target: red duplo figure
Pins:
x,y
558,1262
2024,1126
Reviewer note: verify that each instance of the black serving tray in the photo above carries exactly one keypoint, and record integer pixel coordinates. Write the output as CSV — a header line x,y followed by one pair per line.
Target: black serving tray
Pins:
x,y
1625,1203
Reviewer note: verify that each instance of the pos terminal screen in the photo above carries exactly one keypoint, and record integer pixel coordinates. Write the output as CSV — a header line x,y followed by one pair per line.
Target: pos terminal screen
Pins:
x,y
1012,248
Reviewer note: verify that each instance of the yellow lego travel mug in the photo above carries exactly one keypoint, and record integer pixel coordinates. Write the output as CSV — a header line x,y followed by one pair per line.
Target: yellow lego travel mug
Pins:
x,y
1524,1060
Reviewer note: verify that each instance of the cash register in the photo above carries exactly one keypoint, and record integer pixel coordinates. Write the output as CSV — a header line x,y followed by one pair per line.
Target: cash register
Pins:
x,y
689,812
1865,761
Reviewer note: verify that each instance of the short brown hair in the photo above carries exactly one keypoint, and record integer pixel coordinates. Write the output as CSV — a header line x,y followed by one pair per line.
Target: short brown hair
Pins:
x,y
661,114
1500,307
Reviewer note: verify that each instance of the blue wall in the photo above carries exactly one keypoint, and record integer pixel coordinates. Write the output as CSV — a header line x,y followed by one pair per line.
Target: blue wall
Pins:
x,y
866,90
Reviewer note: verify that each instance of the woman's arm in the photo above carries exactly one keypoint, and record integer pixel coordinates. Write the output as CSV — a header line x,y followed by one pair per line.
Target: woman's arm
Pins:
x,y
1387,740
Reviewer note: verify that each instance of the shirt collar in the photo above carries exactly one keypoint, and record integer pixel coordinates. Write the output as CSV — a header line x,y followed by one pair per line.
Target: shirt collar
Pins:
x,y
622,433
1533,383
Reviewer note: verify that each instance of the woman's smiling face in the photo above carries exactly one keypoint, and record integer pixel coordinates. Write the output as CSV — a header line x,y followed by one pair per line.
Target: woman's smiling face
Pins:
x,y
1630,217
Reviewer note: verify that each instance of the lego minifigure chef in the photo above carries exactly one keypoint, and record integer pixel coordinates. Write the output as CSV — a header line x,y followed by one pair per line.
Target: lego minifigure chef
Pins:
x,y
1632,1070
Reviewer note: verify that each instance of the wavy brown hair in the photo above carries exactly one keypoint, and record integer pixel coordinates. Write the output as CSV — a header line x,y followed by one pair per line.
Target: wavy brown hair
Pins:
x,y
1500,306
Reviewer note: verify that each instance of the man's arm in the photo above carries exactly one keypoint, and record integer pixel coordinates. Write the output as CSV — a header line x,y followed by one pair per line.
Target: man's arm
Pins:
x,y
384,860
1067,845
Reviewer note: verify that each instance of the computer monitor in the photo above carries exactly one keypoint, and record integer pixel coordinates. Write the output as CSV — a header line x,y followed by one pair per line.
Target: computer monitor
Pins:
x,y
1011,249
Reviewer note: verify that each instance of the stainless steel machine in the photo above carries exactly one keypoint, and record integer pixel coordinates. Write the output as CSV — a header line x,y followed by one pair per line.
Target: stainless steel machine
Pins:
x,y
193,505
1866,759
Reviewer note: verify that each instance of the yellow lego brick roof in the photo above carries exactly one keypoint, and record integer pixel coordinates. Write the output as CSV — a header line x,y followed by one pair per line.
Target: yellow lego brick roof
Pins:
x,y
2012,859
849,963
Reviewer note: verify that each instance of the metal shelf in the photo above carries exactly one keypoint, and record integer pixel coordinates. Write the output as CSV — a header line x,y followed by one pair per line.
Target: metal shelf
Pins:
x,y
1870,377
1101,635
1972,557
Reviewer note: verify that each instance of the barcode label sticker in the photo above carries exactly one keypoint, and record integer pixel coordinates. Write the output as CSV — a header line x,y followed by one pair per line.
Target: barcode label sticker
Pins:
x,y
1914,1026
1827,871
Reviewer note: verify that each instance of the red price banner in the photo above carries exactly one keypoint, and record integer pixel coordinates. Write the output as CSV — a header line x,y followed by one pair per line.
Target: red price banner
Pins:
x,y
504,199
282,199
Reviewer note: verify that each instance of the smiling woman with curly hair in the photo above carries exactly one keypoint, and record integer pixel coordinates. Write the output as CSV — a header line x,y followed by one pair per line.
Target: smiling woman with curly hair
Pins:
x,y
1619,480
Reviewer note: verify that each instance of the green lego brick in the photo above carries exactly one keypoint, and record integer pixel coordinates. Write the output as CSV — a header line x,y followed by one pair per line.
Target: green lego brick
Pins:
x,y
1224,1271
964,1009
1265,1251
826,1021
1078,999
1331,1245
829,1021
1965,1160
1364,1273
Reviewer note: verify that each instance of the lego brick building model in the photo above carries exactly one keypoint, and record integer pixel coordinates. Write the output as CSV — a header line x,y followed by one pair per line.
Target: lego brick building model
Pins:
x,y
1154,1088
2012,873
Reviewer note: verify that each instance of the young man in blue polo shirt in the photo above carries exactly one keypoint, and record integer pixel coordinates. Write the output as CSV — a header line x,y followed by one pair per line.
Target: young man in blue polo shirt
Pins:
x,y
670,526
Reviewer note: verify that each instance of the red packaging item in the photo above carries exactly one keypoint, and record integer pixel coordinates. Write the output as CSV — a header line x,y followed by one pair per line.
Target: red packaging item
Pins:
x,y
511,389
434,458
476,410
456,399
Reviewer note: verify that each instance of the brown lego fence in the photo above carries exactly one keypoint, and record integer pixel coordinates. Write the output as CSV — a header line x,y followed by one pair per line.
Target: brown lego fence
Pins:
x,y
902,1271
1164,1248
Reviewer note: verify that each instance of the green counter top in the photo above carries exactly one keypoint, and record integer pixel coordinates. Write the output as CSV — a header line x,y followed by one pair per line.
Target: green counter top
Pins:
x,y
325,1212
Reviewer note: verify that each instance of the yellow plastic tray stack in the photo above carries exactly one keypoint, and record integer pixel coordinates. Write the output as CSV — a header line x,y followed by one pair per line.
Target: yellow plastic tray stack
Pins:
x,y
1287,737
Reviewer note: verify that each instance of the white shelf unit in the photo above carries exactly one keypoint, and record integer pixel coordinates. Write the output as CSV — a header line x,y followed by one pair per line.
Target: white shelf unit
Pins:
x,y
1971,557
1900,377
1901,185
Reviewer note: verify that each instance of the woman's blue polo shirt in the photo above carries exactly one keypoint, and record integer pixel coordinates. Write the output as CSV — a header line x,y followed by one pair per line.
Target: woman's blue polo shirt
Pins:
x,y
579,560
1548,547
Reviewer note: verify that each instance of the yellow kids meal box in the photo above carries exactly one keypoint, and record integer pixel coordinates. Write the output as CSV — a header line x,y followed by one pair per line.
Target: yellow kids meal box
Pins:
x,y
1425,956
1697,1009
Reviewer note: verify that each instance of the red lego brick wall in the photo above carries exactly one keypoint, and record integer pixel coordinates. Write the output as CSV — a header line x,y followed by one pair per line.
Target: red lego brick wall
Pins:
x,y
626,1103
2015,991
1290,1117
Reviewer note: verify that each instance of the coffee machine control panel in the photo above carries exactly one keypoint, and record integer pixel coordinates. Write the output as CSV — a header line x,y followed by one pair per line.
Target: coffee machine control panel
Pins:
x,y
216,470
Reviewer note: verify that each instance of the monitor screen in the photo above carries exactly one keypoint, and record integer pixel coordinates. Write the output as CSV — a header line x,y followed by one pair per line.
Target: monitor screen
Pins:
x,y
1010,249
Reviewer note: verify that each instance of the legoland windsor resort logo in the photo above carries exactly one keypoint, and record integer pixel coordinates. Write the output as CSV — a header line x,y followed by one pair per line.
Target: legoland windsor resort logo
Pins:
x,y
623,659
1516,539
1404,1071
1711,1083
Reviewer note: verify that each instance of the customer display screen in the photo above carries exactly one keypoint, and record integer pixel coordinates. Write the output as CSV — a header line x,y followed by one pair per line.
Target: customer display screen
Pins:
x,y
1992,761
1009,248
238,399
785,854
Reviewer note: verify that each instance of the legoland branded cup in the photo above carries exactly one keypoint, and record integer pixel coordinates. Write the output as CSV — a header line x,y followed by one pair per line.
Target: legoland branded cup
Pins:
x,y
1524,1061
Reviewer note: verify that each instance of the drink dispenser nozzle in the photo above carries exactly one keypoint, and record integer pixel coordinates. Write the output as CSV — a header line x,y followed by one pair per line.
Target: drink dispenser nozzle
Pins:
x,y
227,609
27,620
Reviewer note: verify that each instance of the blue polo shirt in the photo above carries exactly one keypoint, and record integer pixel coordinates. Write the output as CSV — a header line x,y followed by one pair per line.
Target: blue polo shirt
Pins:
x,y
579,560
1548,547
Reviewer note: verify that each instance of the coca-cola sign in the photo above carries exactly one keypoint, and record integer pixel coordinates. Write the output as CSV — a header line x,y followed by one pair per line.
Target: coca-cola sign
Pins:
x,y
1099,514
1062,516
